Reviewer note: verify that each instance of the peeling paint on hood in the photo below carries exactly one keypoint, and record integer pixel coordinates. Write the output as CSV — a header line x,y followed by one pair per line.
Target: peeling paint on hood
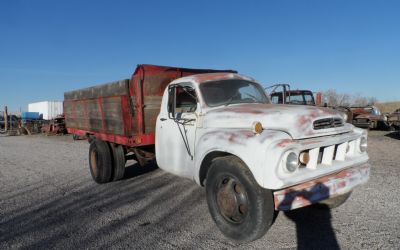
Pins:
x,y
293,119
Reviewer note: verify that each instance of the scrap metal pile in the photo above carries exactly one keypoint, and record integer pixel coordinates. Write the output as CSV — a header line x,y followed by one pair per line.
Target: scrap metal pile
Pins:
x,y
55,126
393,120
8,123
31,123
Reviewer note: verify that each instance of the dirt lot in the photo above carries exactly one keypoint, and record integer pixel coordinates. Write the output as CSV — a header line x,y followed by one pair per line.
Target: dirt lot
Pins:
x,y
48,200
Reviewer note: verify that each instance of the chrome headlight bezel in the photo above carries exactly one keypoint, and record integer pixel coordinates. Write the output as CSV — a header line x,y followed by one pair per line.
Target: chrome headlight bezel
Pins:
x,y
363,146
291,162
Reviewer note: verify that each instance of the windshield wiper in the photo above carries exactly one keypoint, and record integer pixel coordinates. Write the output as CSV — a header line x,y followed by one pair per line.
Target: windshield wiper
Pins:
x,y
231,99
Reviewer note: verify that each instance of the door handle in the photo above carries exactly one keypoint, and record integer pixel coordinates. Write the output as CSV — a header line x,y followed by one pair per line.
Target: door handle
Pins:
x,y
163,119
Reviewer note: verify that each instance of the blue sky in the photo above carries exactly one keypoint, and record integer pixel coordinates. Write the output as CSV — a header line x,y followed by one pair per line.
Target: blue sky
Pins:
x,y
49,47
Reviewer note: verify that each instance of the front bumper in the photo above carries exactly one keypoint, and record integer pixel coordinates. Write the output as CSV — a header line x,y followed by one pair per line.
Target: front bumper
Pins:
x,y
325,187
362,123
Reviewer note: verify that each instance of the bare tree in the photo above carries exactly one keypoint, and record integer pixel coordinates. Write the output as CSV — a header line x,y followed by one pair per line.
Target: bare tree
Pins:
x,y
333,98
359,100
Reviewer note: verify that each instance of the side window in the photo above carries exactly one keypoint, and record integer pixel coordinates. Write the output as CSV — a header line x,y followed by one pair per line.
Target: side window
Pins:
x,y
181,99
185,99
171,100
295,99
276,98
309,99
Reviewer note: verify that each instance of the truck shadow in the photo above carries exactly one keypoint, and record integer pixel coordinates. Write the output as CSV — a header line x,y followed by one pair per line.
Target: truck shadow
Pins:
x,y
313,223
393,135
150,212
134,170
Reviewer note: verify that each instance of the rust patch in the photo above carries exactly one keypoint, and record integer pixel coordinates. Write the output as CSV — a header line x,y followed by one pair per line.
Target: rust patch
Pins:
x,y
310,142
200,78
319,189
238,137
284,143
248,109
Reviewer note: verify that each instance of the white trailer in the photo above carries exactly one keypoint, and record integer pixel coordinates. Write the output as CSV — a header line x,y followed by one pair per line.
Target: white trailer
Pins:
x,y
49,109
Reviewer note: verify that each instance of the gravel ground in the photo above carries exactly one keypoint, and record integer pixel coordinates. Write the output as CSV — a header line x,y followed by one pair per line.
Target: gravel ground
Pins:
x,y
48,200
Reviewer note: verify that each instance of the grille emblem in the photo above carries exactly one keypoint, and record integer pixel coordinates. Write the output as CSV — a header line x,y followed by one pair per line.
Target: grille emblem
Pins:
x,y
328,123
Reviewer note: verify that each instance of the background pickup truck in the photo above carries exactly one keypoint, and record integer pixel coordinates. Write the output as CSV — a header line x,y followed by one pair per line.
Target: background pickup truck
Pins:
x,y
219,129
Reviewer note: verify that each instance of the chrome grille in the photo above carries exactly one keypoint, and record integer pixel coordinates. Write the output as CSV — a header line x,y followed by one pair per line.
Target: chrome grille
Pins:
x,y
362,120
325,156
328,123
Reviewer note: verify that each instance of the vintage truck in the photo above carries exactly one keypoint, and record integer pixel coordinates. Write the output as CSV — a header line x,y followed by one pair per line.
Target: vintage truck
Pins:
x,y
283,94
219,129
369,117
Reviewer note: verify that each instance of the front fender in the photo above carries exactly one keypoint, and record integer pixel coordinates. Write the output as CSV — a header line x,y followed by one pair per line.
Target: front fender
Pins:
x,y
243,143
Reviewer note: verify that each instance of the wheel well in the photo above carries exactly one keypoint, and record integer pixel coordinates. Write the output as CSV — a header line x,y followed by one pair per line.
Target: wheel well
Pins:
x,y
205,164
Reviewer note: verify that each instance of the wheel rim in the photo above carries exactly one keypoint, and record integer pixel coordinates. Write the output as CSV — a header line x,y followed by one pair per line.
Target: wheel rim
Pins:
x,y
232,199
93,161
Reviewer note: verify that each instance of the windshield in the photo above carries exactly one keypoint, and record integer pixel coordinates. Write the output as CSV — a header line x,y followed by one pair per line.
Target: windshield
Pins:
x,y
376,111
226,92
302,98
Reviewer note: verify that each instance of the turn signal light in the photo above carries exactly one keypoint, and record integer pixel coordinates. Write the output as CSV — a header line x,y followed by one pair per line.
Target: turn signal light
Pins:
x,y
304,158
257,127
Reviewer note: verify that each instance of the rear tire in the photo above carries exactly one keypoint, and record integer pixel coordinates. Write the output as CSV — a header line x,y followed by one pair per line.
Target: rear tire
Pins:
x,y
100,161
242,210
118,161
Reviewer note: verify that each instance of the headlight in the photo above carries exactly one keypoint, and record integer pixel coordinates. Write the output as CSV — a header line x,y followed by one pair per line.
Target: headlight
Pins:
x,y
292,162
363,144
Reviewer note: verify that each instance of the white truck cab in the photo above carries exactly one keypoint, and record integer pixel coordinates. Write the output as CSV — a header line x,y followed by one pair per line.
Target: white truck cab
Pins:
x,y
256,158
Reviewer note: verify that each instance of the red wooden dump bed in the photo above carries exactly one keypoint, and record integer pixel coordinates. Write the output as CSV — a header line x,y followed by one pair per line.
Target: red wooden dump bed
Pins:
x,y
125,111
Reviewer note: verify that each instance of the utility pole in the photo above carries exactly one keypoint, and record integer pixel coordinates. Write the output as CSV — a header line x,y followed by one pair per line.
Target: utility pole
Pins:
x,y
5,118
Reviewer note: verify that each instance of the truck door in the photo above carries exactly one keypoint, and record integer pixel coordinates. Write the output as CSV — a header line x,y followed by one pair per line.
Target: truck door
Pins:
x,y
176,130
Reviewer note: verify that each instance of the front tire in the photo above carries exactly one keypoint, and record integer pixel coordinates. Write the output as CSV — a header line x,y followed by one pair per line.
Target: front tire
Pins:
x,y
242,210
100,161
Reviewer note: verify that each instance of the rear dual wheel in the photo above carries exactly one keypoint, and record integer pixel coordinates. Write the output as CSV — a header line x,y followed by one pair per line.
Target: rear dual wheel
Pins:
x,y
106,161
118,161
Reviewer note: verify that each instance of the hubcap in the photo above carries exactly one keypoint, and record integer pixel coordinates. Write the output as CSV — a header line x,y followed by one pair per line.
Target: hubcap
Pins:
x,y
232,199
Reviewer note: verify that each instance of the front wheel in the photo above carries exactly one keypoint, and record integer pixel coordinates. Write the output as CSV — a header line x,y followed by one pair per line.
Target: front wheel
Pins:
x,y
242,210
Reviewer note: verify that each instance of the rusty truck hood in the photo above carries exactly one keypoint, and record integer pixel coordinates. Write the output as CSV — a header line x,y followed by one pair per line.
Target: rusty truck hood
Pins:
x,y
294,119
